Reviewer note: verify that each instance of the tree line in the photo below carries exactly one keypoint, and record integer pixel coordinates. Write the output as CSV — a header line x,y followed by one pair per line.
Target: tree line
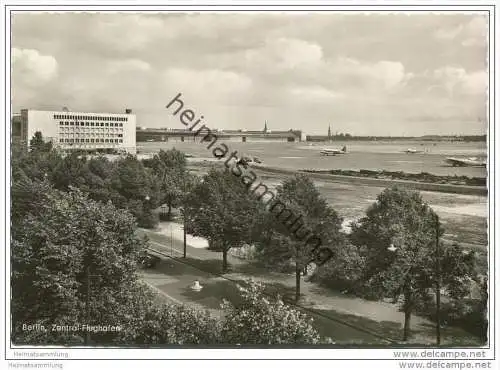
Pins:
x,y
75,252
395,251
348,137
74,217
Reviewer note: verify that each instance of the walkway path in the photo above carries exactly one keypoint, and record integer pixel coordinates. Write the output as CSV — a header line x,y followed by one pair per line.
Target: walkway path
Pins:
x,y
379,317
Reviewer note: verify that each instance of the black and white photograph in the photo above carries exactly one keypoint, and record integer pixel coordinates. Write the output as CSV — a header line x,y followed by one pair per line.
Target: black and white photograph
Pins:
x,y
295,178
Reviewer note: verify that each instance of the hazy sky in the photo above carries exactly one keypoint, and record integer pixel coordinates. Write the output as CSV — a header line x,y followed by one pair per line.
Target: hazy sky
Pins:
x,y
364,74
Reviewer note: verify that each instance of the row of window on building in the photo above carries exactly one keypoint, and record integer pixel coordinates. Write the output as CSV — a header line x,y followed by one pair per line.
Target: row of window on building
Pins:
x,y
102,124
87,130
91,136
116,141
91,118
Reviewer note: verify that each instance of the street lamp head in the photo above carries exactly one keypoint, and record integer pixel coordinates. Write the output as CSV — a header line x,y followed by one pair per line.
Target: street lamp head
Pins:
x,y
392,248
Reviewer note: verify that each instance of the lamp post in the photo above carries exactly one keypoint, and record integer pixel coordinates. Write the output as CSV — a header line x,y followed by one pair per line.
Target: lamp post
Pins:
x,y
146,219
147,198
438,284
406,330
184,251
184,185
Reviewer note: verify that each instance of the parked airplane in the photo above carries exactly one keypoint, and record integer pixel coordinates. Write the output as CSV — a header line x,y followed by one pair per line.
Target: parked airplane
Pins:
x,y
466,162
413,151
328,151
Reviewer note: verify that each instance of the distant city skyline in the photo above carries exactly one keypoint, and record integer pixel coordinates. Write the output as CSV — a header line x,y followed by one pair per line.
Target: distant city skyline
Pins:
x,y
380,75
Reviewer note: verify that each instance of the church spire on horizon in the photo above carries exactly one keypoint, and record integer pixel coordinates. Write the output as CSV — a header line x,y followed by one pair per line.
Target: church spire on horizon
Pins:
x,y
265,126
329,132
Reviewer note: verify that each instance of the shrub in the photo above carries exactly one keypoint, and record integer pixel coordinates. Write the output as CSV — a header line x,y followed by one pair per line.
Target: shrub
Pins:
x,y
263,320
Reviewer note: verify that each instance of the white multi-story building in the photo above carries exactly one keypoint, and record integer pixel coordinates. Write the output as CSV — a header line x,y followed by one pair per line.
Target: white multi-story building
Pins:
x,y
79,130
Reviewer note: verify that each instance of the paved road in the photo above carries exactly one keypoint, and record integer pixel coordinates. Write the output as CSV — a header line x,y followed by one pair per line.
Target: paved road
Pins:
x,y
172,279
343,318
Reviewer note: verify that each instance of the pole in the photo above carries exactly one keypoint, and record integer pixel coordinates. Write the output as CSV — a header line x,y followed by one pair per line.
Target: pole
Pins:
x,y
438,286
184,229
297,275
87,308
184,214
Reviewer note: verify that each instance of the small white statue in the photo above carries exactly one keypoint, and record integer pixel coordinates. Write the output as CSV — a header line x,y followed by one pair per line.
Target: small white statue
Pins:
x,y
196,286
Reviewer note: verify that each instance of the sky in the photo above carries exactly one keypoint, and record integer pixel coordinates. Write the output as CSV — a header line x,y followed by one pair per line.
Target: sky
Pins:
x,y
364,74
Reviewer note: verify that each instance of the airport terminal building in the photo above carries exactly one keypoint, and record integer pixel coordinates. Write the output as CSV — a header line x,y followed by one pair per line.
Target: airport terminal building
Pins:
x,y
78,130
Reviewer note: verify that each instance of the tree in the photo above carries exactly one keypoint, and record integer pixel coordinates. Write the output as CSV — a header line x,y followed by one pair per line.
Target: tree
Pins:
x,y
134,187
98,179
37,144
130,179
71,170
297,221
35,164
62,244
170,168
126,183
74,261
261,319
399,233
344,271
221,210
483,309
256,319
149,322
